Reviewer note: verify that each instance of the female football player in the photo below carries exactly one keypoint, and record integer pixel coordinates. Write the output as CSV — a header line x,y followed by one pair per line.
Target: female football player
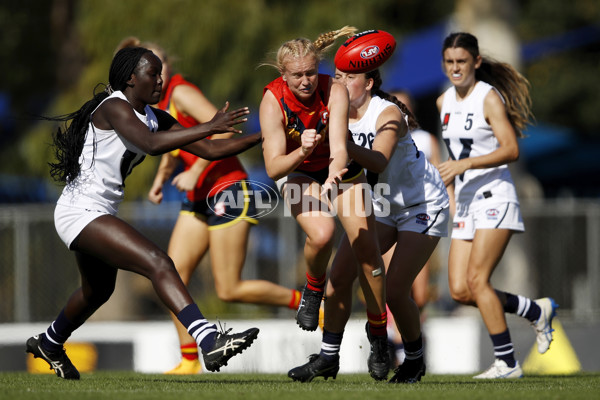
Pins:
x,y
482,114
304,122
412,215
202,224
106,138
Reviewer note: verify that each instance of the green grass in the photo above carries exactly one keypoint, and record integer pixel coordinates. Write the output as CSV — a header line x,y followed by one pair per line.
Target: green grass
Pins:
x,y
130,386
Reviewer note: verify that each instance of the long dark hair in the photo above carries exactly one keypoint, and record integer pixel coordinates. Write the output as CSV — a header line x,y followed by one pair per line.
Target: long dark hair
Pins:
x,y
376,90
69,140
513,86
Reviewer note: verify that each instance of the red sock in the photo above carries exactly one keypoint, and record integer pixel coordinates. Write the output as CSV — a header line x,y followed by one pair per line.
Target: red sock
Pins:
x,y
189,351
377,323
295,301
316,284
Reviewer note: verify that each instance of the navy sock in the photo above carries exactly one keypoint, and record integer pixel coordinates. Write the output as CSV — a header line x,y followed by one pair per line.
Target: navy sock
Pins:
x,y
503,348
57,333
413,350
330,346
522,306
203,332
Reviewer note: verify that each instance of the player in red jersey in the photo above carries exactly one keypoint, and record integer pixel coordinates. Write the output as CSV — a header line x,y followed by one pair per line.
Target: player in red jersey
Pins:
x,y
304,123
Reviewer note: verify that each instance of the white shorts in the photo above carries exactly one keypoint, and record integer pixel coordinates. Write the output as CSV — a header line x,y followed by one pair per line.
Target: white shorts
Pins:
x,y
487,215
422,218
70,221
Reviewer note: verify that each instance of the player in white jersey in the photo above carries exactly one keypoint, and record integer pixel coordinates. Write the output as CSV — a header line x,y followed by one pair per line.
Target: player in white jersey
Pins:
x,y
482,114
412,213
106,138
428,144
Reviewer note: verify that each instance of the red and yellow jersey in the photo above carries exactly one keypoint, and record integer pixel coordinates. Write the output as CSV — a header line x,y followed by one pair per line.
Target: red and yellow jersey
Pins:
x,y
217,172
297,117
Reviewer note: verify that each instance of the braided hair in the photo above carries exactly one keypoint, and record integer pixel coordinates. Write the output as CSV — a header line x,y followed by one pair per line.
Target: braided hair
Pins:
x,y
301,47
69,140
376,90
513,86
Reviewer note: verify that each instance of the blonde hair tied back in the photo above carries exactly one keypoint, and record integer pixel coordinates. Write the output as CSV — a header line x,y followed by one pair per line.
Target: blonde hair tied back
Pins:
x,y
301,47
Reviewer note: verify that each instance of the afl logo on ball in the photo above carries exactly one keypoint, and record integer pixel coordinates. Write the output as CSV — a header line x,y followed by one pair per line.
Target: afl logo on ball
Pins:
x,y
369,52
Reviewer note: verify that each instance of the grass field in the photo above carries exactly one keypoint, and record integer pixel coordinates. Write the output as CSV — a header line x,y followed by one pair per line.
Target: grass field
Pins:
x,y
130,385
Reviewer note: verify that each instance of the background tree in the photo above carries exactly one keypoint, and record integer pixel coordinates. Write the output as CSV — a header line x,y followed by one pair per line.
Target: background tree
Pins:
x,y
56,51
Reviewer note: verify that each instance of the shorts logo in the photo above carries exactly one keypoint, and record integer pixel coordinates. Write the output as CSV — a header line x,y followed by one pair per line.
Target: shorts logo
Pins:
x,y
458,225
492,213
231,197
422,219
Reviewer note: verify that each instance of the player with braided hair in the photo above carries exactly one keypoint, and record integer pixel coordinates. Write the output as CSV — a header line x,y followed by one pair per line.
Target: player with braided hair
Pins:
x,y
482,114
106,138
304,121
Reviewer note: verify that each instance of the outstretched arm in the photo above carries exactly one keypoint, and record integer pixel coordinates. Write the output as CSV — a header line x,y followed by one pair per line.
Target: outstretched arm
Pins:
x,y
118,114
217,149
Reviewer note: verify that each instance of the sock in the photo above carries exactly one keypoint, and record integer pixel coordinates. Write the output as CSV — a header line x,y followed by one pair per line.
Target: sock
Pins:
x,y
377,323
295,300
413,350
330,346
189,351
203,332
522,306
503,348
57,333
316,284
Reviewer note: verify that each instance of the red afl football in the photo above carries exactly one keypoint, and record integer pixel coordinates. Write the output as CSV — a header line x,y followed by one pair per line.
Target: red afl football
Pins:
x,y
365,51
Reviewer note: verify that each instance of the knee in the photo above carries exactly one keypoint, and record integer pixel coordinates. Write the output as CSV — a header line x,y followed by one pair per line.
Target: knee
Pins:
x,y
392,296
320,239
476,283
99,294
228,294
341,278
460,293
421,298
160,266
366,250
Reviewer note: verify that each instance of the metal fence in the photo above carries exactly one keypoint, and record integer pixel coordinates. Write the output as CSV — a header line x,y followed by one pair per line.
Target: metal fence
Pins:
x,y
558,256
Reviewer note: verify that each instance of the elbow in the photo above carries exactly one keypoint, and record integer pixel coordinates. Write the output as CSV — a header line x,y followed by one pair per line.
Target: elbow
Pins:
x,y
377,166
273,172
275,176
154,151
378,169
514,155
154,148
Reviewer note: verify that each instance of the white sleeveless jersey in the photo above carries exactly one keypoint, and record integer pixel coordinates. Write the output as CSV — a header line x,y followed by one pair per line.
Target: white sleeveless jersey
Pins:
x,y
410,177
106,160
467,134
422,140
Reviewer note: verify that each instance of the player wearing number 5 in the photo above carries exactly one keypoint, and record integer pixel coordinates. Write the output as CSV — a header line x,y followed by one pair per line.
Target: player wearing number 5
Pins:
x,y
482,114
